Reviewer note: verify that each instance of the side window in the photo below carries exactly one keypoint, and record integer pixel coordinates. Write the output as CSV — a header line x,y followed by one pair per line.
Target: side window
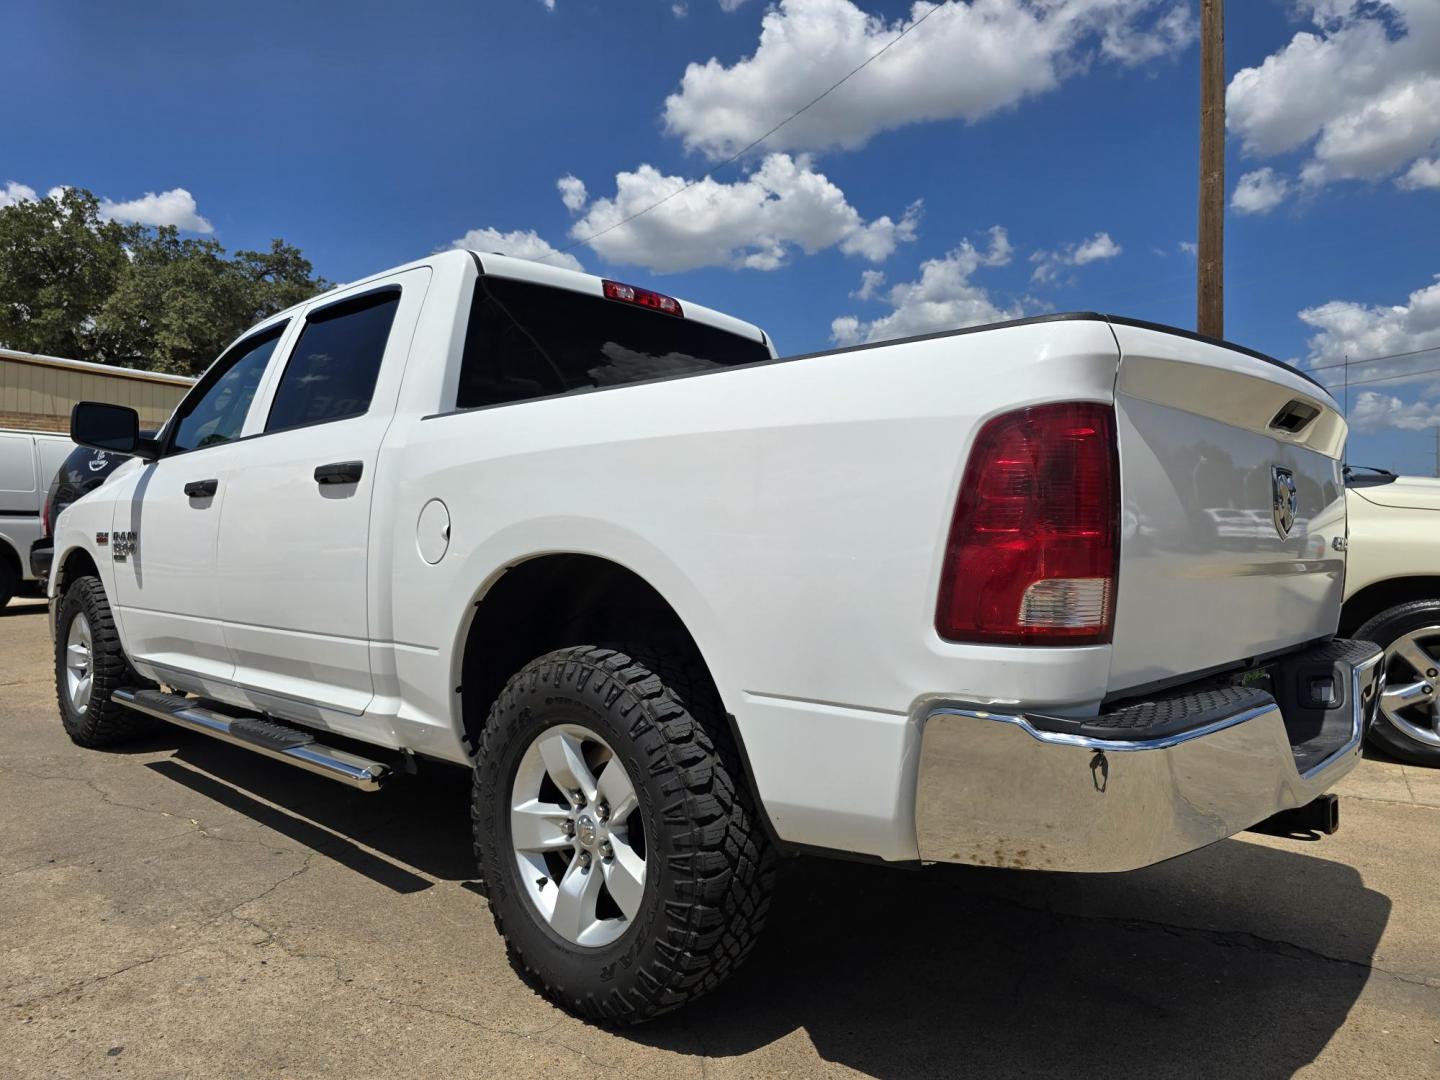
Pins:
x,y
331,374
215,411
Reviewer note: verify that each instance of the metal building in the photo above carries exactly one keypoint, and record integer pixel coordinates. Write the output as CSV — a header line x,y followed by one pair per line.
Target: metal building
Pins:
x,y
36,392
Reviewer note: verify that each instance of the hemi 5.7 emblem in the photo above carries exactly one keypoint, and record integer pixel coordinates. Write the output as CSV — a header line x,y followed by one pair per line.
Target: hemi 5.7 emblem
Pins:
x,y
102,539
124,545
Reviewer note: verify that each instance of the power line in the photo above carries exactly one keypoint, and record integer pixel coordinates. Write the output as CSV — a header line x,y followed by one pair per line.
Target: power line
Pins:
x,y
1376,359
754,142
1391,378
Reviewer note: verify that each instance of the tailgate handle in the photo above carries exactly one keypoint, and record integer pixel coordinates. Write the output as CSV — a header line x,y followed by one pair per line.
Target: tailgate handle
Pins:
x,y
340,472
1294,416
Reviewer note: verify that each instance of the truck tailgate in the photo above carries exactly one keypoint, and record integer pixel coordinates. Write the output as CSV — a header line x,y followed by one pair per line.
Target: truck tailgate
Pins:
x,y
1219,561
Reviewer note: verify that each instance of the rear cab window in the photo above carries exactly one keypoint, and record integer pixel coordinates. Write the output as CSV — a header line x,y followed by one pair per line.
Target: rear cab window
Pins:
x,y
527,341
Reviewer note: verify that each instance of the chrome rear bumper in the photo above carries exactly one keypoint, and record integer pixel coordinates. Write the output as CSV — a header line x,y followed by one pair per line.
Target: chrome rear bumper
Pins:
x,y
995,789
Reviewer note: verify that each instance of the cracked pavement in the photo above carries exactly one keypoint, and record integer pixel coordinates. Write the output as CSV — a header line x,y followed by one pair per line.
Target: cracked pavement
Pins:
x,y
185,909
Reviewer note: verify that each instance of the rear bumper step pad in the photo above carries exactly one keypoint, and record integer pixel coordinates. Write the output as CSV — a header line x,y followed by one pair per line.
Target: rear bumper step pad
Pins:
x,y
290,745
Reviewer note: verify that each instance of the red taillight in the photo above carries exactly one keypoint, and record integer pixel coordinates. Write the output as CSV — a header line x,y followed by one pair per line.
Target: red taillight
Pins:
x,y
629,294
1035,542
45,516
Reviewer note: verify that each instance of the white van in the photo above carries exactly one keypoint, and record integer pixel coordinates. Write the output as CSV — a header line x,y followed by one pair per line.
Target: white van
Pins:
x,y
28,461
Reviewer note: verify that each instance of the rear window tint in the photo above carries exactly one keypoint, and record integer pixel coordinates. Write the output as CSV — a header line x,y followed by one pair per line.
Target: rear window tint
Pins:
x,y
332,371
528,341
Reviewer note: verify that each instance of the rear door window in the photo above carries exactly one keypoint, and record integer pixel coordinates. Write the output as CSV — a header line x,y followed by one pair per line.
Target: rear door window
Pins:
x,y
528,341
332,372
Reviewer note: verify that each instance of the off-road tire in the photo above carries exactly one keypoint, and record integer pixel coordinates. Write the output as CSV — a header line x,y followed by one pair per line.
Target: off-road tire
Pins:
x,y
1384,629
706,894
104,722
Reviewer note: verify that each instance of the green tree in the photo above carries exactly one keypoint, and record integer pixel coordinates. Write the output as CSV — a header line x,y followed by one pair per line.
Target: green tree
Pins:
x,y
59,261
281,277
176,306
73,284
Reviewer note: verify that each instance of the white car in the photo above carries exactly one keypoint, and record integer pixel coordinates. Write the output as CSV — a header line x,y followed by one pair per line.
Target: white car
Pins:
x,y
683,606
28,461
1392,597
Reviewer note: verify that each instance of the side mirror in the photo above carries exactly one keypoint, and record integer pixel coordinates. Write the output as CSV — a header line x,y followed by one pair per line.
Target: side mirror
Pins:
x,y
113,428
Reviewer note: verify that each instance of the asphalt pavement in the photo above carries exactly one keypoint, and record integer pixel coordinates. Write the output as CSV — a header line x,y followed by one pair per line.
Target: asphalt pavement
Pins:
x,y
181,908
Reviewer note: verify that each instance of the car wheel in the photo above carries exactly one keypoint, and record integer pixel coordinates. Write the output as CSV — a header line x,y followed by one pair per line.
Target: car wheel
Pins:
x,y
623,858
1408,726
89,666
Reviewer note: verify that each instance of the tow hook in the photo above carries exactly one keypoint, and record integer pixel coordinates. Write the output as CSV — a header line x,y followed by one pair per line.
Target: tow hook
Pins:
x,y
1320,816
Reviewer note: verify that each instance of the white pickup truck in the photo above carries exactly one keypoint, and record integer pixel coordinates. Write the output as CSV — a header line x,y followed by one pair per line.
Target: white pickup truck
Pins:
x,y
974,597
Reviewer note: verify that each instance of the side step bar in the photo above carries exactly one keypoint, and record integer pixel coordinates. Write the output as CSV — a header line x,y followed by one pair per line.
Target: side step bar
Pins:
x,y
291,745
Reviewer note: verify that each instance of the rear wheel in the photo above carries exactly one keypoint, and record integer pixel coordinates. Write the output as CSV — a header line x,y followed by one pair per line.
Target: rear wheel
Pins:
x,y
1409,725
89,666
624,863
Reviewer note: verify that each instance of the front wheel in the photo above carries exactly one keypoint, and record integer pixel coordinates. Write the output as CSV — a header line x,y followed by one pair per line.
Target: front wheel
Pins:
x,y
624,862
89,665
1409,723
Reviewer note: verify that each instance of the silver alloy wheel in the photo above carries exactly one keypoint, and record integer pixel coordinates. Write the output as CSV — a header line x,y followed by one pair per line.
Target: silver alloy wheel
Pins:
x,y
79,664
578,838
1411,701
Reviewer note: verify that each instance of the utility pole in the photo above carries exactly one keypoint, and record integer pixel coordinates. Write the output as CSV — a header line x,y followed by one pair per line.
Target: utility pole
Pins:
x,y
1210,261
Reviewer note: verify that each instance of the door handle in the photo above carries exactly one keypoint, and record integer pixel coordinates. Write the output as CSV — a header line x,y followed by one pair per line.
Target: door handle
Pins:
x,y
199,489
339,472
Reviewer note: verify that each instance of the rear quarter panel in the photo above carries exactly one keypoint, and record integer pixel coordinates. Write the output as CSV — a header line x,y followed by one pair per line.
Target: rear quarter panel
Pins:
x,y
793,513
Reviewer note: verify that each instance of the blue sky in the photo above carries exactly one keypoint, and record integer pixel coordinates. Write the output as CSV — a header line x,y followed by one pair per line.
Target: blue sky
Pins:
x,y
1006,157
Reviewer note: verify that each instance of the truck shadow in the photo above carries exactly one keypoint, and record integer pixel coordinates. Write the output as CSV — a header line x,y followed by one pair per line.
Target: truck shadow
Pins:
x,y
1183,969
411,826
1238,960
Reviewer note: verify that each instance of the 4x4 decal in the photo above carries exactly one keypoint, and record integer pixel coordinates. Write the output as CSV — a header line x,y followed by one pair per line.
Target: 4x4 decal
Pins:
x,y
124,545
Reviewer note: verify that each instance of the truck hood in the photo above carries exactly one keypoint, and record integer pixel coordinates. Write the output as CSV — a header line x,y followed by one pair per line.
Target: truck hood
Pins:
x,y
1405,492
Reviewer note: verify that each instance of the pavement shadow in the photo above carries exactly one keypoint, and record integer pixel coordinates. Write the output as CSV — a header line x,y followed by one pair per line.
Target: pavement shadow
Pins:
x,y
1183,969
422,823
17,609
958,971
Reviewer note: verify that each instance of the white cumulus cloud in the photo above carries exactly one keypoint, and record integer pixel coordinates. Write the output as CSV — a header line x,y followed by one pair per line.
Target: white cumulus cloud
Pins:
x,y
730,5
1259,192
870,282
521,243
1362,331
14,192
1048,264
968,61
755,222
942,298
1362,91
174,207
1373,411
572,193
1423,174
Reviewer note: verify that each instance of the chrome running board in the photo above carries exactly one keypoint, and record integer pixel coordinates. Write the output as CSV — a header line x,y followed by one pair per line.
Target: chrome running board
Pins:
x,y
293,746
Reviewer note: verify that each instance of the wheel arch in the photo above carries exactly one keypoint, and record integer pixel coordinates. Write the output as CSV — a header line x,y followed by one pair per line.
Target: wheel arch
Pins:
x,y
552,600
10,555
1380,596
75,563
